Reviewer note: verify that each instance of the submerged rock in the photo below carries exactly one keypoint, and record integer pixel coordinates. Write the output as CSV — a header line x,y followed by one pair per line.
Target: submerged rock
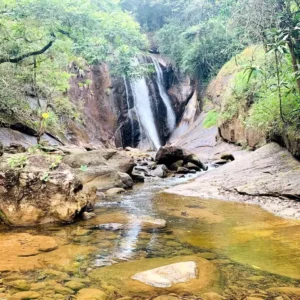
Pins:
x,y
149,223
115,191
16,247
168,275
75,285
166,298
206,276
91,294
211,296
291,291
25,296
109,226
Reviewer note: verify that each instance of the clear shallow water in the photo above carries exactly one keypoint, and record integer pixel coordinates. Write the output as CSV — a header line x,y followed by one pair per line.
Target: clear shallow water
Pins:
x,y
250,248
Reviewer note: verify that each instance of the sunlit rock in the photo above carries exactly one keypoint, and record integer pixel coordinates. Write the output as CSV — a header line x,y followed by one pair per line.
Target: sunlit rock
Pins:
x,y
168,275
91,294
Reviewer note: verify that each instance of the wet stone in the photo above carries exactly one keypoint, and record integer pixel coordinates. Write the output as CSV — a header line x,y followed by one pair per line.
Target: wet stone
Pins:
x,y
166,298
109,227
25,296
81,232
22,285
166,276
63,290
91,294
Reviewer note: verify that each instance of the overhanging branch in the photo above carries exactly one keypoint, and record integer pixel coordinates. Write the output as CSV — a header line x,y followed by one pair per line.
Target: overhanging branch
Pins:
x,y
22,57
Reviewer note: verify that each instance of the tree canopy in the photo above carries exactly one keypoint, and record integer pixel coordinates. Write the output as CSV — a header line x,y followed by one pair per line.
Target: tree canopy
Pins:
x,y
39,39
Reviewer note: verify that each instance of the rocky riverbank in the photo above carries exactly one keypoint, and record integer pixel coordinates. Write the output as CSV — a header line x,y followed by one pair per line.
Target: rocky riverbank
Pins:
x,y
57,184
268,177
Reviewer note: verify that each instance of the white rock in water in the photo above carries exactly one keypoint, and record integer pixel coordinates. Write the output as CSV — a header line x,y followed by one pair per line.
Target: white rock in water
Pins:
x,y
148,222
169,275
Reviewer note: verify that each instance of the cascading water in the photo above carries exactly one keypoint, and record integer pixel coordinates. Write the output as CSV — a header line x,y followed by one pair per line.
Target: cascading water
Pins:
x,y
144,111
171,118
129,111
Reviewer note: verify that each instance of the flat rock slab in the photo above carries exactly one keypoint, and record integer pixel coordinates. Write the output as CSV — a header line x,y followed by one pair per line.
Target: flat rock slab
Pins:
x,y
262,177
169,275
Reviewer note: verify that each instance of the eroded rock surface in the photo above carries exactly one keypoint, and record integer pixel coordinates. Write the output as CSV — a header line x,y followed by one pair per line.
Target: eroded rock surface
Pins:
x,y
269,174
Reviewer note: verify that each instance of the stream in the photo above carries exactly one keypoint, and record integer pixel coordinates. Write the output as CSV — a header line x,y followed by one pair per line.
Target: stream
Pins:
x,y
245,250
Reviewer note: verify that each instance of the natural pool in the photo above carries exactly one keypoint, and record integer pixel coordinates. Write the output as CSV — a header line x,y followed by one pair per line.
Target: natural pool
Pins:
x,y
241,250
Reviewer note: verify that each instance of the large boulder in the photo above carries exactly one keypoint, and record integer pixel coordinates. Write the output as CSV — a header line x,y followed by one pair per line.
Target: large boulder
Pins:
x,y
32,193
168,155
117,160
102,169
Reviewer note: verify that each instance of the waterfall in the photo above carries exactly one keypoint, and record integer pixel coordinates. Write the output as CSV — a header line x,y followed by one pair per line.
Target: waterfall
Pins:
x,y
144,111
129,112
171,118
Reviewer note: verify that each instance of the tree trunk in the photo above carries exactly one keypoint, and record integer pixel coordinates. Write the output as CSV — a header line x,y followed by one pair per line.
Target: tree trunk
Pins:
x,y
295,63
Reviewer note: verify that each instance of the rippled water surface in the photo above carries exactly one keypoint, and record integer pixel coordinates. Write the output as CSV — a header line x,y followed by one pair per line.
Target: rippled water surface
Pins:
x,y
248,249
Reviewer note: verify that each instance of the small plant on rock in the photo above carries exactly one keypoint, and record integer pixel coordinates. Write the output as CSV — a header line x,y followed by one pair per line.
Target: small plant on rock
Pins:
x,y
18,161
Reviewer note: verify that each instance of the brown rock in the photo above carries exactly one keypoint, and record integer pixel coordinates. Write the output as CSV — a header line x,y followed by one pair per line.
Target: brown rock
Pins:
x,y
169,155
25,296
176,165
211,296
91,294
166,298
36,195
290,291
14,249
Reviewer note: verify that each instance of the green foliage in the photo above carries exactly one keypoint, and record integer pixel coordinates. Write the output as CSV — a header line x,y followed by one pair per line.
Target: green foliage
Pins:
x,y
197,38
211,119
254,99
41,40
17,161
45,177
83,168
55,164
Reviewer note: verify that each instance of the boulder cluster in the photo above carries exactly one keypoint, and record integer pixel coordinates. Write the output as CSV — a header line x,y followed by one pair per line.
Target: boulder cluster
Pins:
x,y
60,184
168,160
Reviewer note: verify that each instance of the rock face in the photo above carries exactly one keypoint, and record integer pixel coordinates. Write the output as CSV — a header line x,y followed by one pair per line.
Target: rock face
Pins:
x,y
31,193
177,86
168,275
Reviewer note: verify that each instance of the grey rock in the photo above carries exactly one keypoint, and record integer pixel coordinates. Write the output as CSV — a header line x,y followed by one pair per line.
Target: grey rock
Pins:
x,y
160,171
